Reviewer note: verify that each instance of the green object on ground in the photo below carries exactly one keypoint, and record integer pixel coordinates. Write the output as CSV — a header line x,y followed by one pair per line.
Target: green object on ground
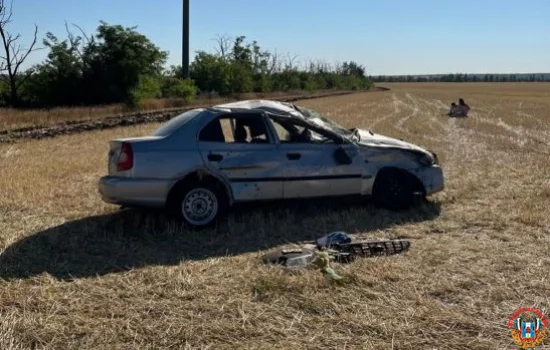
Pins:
x,y
331,274
322,262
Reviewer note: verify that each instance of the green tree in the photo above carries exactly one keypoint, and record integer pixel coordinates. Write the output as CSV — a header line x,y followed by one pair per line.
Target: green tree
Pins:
x,y
117,64
175,87
58,81
211,73
116,59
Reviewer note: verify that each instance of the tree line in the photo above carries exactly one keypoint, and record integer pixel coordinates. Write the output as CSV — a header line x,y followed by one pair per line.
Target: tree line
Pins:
x,y
458,78
120,65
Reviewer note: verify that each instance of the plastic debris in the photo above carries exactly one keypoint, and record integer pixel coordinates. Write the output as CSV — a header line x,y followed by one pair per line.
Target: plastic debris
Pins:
x,y
322,262
291,259
332,238
370,248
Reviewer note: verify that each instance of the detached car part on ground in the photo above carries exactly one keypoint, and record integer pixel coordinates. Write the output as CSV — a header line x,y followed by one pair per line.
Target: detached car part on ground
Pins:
x,y
203,161
340,247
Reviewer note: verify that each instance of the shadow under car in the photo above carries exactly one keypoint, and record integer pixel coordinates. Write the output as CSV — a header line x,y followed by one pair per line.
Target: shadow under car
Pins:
x,y
132,238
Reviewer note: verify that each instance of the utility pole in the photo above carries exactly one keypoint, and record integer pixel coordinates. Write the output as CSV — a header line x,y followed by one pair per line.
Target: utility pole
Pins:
x,y
185,40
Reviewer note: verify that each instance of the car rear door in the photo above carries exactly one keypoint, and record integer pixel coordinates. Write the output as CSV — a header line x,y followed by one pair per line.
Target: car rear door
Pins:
x,y
311,169
252,164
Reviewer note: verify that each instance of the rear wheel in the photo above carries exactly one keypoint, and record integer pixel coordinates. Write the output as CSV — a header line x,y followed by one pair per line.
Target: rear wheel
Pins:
x,y
394,190
201,204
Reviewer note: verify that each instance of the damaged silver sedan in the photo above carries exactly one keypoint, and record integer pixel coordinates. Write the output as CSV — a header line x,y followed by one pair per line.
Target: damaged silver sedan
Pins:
x,y
201,162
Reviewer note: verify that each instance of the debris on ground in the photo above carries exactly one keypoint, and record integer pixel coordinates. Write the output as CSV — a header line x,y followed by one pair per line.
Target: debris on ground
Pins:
x,y
338,237
335,246
290,258
322,262
370,248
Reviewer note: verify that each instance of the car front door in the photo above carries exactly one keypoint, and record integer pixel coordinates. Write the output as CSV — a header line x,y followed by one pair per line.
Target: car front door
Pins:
x,y
238,147
311,168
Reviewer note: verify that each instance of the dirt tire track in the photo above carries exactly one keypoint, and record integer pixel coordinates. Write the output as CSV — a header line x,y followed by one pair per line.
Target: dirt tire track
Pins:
x,y
523,135
395,103
435,116
399,125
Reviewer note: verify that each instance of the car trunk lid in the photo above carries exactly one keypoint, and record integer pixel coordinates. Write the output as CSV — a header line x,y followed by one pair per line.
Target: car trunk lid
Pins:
x,y
121,156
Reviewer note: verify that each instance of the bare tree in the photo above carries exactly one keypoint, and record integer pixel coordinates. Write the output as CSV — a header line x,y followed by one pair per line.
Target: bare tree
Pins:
x,y
76,41
223,44
274,64
337,67
311,67
291,62
14,55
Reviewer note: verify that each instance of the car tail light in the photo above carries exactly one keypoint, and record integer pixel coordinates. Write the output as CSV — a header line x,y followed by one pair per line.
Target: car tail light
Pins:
x,y
125,158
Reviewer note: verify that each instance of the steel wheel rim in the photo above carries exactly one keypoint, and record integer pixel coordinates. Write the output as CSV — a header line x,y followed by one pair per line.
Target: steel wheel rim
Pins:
x,y
392,189
395,188
199,206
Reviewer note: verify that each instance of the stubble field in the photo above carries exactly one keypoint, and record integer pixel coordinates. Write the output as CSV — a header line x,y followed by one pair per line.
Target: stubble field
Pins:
x,y
76,273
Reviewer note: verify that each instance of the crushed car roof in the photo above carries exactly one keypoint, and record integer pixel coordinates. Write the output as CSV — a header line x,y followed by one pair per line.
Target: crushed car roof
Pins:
x,y
282,109
275,107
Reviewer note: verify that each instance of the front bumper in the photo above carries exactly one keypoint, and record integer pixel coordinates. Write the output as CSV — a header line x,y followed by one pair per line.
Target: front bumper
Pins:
x,y
135,192
432,178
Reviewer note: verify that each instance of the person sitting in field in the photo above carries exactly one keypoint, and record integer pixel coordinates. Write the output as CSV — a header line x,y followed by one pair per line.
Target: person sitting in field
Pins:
x,y
463,108
453,111
460,110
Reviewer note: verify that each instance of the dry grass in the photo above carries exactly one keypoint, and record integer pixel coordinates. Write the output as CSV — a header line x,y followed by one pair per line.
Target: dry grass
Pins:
x,y
18,118
80,274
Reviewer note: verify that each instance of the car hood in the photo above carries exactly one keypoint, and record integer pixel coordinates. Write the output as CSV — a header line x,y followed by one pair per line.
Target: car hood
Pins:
x,y
373,139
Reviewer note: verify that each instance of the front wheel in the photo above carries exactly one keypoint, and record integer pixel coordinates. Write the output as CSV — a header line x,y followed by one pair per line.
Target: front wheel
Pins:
x,y
393,190
200,205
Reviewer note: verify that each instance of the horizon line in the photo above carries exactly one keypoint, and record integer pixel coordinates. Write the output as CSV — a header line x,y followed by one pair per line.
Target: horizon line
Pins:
x,y
436,74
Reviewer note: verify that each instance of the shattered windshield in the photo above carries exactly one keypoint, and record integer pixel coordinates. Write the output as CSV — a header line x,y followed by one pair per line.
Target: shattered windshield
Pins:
x,y
323,121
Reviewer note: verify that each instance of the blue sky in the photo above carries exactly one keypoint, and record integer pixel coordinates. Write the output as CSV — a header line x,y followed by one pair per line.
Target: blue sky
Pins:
x,y
386,36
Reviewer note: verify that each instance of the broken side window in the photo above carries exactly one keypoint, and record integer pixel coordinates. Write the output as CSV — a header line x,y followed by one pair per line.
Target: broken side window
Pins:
x,y
235,129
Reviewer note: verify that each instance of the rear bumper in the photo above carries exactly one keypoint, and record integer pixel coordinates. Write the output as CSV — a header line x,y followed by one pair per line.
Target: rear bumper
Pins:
x,y
135,192
432,178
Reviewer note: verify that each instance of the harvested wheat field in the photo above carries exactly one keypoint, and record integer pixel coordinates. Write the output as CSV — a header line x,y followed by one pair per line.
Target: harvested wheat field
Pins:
x,y
76,273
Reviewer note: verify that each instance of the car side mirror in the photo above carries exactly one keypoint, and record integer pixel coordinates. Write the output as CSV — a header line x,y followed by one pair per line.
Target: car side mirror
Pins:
x,y
342,157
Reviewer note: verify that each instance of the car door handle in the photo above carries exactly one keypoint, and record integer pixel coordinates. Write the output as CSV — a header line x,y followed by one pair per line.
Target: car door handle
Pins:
x,y
215,157
293,156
